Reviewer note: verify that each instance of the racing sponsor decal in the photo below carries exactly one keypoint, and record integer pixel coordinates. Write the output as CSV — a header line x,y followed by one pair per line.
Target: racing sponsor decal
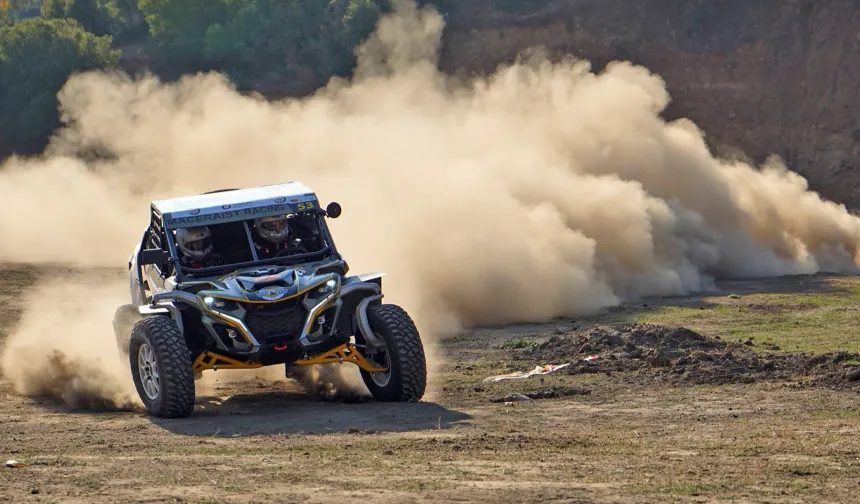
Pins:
x,y
198,219
281,200
272,293
228,213
243,204
253,212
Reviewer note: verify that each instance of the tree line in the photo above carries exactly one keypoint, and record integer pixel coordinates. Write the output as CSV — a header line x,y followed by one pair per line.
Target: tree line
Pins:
x,y
42,42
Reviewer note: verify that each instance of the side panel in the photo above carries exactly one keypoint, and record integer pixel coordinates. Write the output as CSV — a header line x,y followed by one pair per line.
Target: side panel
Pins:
x,y
135,284
154,279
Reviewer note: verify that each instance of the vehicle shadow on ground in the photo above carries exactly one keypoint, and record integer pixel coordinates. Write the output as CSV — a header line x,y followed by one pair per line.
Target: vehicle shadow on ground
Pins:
x,y
268,413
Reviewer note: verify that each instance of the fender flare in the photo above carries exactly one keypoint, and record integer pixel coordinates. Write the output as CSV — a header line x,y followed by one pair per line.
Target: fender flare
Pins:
x,y
364,325
162,308
360,294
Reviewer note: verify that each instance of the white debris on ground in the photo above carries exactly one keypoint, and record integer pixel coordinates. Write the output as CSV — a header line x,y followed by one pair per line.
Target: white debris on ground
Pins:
x,y
538,370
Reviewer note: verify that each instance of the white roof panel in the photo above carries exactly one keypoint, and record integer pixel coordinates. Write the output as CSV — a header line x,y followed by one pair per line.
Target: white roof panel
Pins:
x,y
235,205
250,195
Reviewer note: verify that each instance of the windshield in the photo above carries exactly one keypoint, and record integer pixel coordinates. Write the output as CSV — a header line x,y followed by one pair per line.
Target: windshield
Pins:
x,y
278,240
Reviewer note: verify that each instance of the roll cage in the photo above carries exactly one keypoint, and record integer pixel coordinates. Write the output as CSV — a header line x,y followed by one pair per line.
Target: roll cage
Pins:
x,y
158,241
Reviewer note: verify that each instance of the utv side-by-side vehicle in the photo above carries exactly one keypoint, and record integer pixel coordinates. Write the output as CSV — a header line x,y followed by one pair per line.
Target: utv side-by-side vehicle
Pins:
x,y
243,301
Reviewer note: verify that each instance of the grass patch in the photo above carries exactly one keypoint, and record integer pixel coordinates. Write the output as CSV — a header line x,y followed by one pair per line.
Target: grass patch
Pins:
x,y
803,322
840,414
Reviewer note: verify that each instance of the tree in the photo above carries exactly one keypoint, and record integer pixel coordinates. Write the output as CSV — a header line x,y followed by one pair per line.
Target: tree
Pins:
x,y
54,9
180,25
101,17
98,17
132,25
358,22
37,56
286,37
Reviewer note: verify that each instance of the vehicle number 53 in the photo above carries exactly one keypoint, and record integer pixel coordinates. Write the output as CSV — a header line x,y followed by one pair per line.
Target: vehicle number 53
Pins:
x,y
305,206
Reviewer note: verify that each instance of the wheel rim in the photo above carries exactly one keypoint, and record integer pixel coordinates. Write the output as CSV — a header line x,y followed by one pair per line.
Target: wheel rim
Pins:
x,y
148,366
381,358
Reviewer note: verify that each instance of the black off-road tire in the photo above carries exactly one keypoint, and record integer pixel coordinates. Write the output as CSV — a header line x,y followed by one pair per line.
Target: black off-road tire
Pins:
x,y
175,396
406,360
123,322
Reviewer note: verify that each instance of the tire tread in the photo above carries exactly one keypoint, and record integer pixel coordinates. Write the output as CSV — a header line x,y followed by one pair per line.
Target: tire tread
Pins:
x,y
409,349
174,362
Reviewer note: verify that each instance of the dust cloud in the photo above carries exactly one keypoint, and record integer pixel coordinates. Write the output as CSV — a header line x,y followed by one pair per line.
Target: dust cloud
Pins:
x,y
542,190
64,346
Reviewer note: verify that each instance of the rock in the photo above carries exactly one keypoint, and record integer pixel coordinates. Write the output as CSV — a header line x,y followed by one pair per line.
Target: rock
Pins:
x,y
701,357
658,358
517,397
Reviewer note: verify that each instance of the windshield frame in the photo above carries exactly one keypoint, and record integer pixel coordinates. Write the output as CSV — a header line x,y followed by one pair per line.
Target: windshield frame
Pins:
x,y
185,273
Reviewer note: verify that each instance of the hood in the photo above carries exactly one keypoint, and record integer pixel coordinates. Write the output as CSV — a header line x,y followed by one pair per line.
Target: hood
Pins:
x,y
265,284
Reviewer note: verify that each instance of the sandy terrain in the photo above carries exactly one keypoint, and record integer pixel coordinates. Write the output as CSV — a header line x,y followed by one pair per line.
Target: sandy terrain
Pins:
x,y
766,413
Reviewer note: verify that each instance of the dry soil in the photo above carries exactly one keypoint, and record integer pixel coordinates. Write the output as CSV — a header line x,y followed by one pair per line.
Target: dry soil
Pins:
x,y
748,394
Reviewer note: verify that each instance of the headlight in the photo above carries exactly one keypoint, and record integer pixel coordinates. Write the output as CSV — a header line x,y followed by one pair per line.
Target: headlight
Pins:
x,y
218,304
327,287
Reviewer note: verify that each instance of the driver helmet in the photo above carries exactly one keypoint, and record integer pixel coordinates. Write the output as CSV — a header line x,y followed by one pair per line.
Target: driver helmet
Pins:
x,y
273,229
195,242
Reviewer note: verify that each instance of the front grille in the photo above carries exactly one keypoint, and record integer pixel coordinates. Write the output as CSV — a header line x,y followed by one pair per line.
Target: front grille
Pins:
x,y
275,321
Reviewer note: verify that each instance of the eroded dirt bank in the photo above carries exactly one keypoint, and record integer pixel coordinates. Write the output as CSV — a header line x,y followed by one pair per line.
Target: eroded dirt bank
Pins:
x,y
779,76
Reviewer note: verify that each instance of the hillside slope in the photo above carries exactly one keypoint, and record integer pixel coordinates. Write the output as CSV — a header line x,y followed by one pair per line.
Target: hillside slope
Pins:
x,y
765,76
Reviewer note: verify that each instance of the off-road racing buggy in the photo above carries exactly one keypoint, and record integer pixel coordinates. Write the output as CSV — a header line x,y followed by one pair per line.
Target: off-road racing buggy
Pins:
x,y
252,307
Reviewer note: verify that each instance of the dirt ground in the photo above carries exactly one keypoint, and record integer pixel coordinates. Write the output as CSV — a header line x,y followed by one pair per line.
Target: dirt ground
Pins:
x,y
746,394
